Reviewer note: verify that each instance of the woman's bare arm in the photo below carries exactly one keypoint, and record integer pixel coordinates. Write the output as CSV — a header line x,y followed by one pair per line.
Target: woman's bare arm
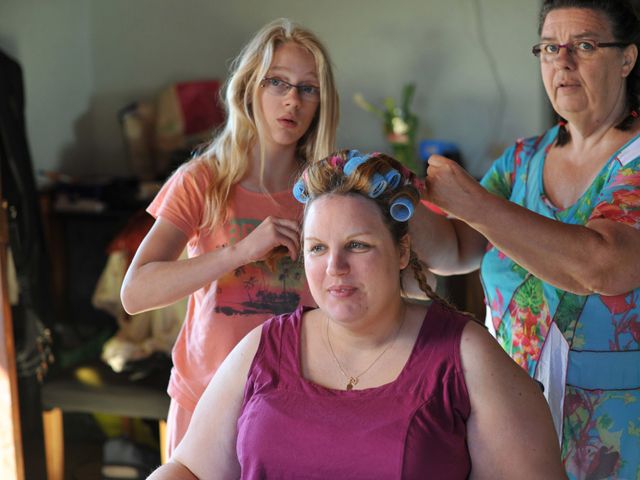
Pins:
x,y
599,257
510,432
448,246
157,278
208,449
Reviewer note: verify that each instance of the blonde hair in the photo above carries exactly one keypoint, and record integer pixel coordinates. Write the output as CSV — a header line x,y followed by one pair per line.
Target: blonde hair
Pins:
x,y
227,156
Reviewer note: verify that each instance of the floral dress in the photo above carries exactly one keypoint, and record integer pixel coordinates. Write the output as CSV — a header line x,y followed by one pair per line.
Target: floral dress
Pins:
x,y
600,416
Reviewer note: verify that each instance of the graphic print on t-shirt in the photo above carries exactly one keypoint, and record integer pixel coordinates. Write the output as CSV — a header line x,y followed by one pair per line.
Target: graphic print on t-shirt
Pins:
x,y
255,289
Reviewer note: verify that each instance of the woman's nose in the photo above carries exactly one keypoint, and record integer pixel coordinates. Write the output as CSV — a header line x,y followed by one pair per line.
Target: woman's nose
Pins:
x,y
292,97
337,264
564,59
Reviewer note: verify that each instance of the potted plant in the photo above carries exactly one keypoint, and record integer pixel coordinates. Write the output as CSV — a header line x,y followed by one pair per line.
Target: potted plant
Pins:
x,y
399,124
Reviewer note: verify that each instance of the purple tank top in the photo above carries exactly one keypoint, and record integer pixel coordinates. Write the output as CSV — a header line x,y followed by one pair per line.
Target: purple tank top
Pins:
x,y
413,427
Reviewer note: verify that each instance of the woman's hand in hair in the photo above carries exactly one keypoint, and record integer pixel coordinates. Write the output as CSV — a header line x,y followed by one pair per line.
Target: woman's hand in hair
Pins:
x,y
273,234
451,188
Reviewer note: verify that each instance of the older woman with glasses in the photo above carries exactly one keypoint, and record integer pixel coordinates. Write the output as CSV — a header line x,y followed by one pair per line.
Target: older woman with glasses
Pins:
x,y
554,227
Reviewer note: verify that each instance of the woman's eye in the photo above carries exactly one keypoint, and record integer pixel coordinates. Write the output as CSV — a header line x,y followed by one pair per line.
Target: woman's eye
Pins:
x,y
275,82
353,245
586,46
551,48
316,249
308,89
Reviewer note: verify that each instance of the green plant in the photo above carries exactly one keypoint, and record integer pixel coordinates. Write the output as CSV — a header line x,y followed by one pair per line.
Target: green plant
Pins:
x,y
399,123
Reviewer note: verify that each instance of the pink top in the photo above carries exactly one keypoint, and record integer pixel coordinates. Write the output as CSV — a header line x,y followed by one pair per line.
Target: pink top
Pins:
x,y
220,314
413,427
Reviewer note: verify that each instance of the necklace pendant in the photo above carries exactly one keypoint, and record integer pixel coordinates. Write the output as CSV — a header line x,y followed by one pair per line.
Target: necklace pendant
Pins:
x,y
352,383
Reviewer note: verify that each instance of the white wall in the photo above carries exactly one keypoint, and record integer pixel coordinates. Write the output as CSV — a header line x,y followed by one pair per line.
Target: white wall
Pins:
x,y
85,59
51,40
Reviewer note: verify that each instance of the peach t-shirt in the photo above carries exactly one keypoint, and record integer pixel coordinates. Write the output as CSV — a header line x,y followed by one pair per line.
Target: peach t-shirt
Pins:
x,y
221,313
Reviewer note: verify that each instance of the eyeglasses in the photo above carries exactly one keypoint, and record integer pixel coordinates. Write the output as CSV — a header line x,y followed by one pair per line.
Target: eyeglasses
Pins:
x,y
280,88
581,49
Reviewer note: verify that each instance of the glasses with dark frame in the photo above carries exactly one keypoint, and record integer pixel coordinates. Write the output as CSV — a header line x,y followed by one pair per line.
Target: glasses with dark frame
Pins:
x,y
581,49
278,87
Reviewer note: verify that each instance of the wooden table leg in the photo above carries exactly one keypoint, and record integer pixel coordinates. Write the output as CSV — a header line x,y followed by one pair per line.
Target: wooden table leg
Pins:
x,y
54,443
162,424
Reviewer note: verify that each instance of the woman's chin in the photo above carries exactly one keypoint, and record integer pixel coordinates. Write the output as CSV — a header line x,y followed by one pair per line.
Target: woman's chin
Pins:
x,y
343,313
568,107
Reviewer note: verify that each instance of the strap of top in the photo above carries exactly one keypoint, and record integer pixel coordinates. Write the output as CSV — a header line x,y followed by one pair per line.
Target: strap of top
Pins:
x,y
630,152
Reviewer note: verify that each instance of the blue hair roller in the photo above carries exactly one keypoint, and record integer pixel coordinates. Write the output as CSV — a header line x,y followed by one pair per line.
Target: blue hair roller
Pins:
x,y
354,153
393,178
299,192
401,209
355,160
378,185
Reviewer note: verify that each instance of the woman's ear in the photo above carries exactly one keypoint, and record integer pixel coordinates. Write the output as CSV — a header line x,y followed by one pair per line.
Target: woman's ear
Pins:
x,y
405,251
629,58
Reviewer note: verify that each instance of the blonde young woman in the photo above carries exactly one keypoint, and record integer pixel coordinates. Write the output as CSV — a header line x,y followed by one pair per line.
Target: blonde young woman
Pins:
x,y
232,208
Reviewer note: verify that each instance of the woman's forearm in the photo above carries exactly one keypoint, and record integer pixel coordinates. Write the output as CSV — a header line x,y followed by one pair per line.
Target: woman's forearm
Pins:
x,y
600,257
160,283
447,246
580,259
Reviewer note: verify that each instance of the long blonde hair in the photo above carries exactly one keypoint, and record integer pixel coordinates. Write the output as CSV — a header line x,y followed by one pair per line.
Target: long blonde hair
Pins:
x,y
227,156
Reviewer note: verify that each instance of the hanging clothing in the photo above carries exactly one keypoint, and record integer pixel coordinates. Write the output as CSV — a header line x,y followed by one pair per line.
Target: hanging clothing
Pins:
x,y
31,308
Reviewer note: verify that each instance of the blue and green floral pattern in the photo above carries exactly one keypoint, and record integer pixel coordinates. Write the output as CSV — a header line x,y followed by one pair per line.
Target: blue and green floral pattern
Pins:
x,y
601,426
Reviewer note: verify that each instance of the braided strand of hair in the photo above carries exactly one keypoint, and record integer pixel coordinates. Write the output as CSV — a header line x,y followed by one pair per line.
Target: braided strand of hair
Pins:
x,y
418,268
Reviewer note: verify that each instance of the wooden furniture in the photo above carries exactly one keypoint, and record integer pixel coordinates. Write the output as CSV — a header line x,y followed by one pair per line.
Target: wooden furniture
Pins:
x,y
93,388
78,241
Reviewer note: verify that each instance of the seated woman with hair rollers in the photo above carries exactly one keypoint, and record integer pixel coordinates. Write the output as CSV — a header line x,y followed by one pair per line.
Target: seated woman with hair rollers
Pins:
x,y
366,385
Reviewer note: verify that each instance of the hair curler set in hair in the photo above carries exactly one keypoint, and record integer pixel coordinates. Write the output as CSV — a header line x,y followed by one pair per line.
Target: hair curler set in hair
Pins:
x,y
300,192
378,183
401,208
392,178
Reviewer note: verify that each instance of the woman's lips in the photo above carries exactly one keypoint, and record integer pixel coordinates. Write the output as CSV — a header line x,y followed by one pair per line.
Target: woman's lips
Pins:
x,y
287,122
342,291
567,85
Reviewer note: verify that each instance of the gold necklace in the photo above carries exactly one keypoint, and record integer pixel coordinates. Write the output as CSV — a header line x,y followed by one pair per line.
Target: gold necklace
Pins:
x,y
352,381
